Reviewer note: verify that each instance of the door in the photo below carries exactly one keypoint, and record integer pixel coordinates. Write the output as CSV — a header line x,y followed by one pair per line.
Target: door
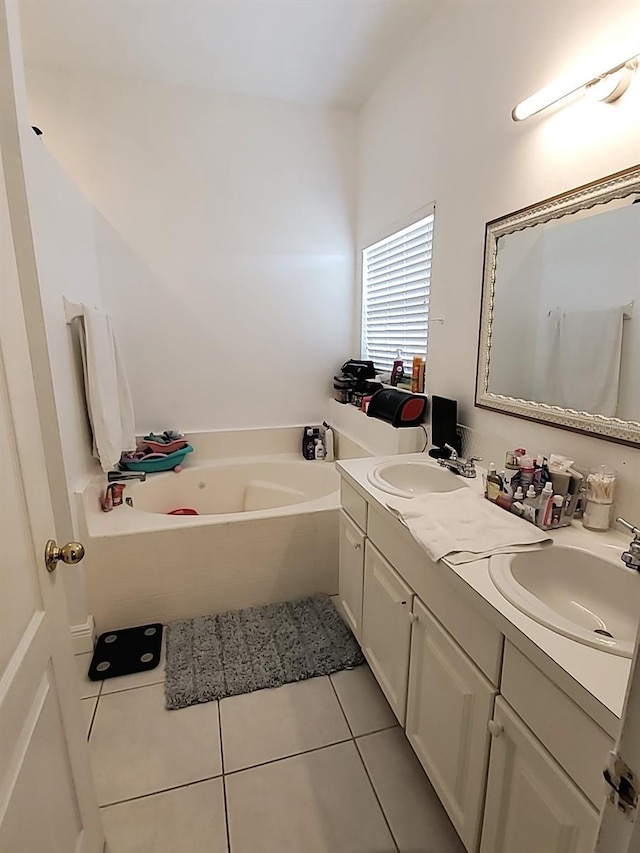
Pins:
x,y
351,579
620,829
47,800
532,805
386,628
450,703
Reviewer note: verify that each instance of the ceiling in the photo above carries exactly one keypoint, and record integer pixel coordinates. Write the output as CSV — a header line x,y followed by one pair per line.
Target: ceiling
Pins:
x,y
329,52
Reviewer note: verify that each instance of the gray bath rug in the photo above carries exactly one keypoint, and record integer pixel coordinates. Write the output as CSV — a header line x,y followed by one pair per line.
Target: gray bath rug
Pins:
x,y
245,650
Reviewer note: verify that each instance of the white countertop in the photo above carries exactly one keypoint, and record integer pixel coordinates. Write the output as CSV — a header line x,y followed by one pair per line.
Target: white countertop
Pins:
x,y
595,679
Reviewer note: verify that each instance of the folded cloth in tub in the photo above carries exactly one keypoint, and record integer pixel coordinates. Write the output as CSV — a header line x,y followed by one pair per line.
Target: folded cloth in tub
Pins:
x,y
462,526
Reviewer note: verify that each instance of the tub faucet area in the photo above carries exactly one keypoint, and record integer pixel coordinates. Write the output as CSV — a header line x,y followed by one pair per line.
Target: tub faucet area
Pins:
x,y
121,476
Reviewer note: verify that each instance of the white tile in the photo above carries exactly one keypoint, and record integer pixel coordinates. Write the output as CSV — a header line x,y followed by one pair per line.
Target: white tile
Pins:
x,y
137,679
363,702
88,708
319,802
270,724
189,819
415,814
87,688
138,747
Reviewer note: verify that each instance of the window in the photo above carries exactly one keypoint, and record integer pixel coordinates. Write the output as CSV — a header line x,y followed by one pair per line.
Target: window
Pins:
x,y
396,274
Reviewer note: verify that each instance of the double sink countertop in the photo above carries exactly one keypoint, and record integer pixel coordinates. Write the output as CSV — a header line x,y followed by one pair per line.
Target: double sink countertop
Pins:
x,y
596,680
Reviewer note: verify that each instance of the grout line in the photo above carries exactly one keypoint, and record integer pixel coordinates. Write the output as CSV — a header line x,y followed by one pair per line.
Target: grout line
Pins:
x,y
375,794
344,713
127,689
161,791
93,717
286,757
224,781
355,743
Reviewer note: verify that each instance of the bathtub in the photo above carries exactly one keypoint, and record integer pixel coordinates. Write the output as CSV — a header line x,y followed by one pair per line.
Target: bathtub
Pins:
x,y
266,531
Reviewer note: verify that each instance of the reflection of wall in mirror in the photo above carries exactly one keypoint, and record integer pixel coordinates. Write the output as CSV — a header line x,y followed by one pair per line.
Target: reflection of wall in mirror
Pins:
x,y
590,264
513,341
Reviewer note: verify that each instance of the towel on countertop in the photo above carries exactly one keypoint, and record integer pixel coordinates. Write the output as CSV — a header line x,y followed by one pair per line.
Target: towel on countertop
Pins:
x,y
462,526
109,403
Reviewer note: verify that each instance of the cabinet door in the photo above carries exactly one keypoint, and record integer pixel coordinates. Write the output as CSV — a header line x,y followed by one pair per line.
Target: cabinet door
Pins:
x,y
532,805
351,578
386,628
449,706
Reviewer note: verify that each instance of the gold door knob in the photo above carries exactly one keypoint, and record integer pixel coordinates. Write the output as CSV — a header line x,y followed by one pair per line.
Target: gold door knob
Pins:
x,y
70,553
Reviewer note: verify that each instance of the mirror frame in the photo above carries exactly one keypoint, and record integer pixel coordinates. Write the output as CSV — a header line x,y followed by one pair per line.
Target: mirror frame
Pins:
x,y
602,191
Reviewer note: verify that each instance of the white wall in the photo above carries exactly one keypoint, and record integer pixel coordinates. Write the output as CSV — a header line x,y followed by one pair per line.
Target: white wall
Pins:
x,y
225,242
439,127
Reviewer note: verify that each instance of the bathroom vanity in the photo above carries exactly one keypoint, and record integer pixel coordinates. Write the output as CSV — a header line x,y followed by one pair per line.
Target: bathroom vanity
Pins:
x,y
511,721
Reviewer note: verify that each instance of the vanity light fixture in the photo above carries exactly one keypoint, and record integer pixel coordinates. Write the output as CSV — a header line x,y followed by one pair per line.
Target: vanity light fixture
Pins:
x,y
603,85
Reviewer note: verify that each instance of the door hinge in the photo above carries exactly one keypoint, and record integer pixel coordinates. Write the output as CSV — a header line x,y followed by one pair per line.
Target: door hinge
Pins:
x,y
623,783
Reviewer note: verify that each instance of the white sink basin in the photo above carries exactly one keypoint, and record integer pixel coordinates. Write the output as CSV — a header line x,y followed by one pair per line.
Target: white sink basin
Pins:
x,y
592,599
416,477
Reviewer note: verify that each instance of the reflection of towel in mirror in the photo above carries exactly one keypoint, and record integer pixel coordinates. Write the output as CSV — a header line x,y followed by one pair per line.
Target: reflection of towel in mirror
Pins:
x,y
583,368
109,404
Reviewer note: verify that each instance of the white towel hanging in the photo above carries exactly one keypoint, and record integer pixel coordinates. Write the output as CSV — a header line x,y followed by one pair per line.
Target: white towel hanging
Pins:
x,y
109,403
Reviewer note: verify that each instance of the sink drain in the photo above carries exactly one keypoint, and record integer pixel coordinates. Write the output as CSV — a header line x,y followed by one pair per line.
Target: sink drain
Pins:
x,y
603,633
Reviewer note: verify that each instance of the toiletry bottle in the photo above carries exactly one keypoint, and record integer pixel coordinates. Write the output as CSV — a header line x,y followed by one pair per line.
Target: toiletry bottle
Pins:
x,y
397,372
117,490
309,444
527,471
506,484
504,500
415,374
556,511
545,502
329,444
531,498
318,451
421,376
518,495
494,483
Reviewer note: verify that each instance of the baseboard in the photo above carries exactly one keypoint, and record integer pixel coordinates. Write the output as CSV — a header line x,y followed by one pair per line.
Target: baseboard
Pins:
x,y
82,636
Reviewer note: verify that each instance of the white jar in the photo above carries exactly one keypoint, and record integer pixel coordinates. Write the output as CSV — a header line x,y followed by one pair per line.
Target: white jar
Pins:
x,y
597,516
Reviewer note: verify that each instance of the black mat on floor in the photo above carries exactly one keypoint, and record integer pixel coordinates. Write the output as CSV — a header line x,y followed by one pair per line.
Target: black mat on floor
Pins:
x,y
245,650
126,651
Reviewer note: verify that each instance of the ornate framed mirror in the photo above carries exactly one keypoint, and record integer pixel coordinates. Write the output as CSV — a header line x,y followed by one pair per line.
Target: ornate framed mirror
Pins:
x,y
560,320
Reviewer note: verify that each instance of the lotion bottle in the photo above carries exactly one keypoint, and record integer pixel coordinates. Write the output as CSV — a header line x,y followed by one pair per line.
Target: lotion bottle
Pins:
x,y
494,483
329,443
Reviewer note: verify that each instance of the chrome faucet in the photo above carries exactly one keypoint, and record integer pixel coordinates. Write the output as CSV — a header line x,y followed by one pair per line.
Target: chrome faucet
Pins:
x,y
121,476
631,557
463,467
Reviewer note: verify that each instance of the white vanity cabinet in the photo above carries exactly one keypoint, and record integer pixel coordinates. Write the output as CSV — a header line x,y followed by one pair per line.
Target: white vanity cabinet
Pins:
x,y
450,703
386,628
351,573
532,805
519,772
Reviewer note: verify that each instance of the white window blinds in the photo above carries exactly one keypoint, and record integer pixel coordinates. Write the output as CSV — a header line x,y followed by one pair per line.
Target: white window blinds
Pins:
x,y
396,274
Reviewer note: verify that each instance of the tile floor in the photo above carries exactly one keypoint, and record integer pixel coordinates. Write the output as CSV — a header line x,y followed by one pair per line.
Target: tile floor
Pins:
x,y
319,766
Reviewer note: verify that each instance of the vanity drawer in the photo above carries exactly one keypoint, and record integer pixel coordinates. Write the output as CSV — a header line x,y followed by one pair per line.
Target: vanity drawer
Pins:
x,y
578,744
353,504
481,640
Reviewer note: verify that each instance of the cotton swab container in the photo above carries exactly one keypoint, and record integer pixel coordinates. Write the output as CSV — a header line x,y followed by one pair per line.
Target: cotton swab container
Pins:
x,y
601,484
